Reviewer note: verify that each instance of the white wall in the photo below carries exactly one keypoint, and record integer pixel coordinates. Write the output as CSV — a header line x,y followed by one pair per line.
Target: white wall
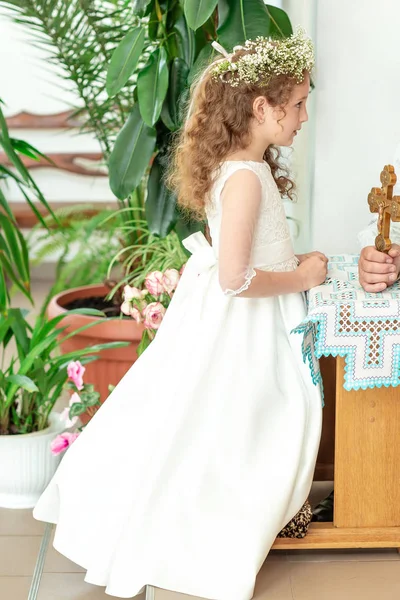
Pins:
x,y
303,12
357,114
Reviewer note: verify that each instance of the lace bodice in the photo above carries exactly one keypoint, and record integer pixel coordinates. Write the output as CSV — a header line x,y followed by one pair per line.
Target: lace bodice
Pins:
x,y
270,243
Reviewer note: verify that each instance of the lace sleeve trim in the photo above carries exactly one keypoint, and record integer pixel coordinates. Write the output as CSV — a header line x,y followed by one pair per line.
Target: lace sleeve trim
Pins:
x,y
251,273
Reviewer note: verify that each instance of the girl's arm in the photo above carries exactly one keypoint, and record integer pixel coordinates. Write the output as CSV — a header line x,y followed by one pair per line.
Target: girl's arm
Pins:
x,y
241,200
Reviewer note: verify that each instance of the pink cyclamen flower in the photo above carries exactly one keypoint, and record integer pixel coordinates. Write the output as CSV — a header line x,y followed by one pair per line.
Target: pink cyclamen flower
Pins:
x,y
133,293
62,442
136,314
75,373
126,308
170,280
75,398
131,311
154,284
153,315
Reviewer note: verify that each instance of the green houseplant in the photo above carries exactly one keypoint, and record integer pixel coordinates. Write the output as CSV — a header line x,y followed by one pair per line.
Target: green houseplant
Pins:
x,y
131,64
30,385
32,371
81,37
14,259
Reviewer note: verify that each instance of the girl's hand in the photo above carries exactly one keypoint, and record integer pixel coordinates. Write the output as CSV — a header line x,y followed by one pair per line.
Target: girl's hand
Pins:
x,y
313,270
303,257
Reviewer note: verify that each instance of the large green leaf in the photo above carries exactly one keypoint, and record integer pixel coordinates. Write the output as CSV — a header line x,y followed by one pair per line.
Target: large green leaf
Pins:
x,y
5,142
15,243
22,177
185,227
152,86
27,149
19,326
4,297
178,75
181,41
13,259
198,11
5,206
23,382
160,205
124,60
139,7
153,25
131,154
280,25
241,20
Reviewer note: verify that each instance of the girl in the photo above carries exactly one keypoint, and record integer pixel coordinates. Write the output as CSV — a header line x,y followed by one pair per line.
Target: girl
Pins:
x,y
206,449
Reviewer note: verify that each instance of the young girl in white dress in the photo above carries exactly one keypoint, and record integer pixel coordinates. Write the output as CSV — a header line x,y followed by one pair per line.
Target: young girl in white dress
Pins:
x,y
206,449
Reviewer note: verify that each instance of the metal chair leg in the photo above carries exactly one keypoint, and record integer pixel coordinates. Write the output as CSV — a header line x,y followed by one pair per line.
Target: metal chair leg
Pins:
x,y
38,572
150,592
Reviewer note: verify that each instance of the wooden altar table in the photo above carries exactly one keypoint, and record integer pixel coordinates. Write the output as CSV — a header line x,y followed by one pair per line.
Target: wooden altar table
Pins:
x,y
360,444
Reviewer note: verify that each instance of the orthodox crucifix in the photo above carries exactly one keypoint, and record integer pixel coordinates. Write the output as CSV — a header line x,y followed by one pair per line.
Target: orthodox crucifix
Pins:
x,y
382,201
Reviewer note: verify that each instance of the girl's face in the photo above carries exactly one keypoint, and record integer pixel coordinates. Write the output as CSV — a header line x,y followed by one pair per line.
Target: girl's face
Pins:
x,y
278,125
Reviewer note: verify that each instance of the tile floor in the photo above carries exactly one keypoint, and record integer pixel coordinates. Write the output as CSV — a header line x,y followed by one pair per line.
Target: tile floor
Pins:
x,y
294,575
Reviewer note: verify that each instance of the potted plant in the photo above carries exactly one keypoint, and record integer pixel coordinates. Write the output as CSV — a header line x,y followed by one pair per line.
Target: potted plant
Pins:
x,y
165,254
33,375
14,257
30,386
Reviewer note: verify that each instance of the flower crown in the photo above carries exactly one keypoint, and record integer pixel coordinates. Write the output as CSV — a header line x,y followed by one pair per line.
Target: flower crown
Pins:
x,y
265,57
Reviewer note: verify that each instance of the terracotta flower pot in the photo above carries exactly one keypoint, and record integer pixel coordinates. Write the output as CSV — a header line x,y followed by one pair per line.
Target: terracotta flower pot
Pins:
x,y
113,363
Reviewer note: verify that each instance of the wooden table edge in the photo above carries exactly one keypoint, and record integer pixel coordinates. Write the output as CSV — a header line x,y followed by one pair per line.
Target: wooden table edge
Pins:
x,y
325,535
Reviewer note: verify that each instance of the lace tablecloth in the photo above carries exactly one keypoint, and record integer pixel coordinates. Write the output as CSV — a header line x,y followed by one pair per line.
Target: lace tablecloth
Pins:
x,y
344,320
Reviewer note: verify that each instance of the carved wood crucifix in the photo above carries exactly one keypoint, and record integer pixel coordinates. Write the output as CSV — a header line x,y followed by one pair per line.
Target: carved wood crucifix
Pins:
x,y
382,201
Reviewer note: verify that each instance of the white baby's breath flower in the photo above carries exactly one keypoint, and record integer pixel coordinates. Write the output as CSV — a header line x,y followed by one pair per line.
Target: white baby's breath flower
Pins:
x,y
267,57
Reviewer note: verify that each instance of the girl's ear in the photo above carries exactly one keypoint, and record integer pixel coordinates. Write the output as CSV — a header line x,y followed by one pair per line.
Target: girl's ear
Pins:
x,y
260,108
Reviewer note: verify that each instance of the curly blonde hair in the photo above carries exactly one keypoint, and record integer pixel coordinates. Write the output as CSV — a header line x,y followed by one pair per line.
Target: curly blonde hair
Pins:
x,y
217,124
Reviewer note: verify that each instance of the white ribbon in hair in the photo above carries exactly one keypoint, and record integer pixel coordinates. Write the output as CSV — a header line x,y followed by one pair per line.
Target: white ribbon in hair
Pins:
x,y
221,50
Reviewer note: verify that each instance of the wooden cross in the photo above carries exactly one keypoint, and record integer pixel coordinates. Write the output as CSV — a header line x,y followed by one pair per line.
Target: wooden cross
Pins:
x,y
382,201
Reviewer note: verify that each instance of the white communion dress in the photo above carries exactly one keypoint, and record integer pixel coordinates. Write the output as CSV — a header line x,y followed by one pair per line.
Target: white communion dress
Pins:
x,y
206,448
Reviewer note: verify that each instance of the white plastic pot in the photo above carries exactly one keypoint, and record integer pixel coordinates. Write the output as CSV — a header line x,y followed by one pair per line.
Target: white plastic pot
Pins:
x,y
27,465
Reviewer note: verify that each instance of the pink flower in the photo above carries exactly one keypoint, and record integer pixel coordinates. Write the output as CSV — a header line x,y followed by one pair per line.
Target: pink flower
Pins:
x,y
126,308
131,311
154,284
170,280
62,442
153,315
133,293
136,314
75,373
75,398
